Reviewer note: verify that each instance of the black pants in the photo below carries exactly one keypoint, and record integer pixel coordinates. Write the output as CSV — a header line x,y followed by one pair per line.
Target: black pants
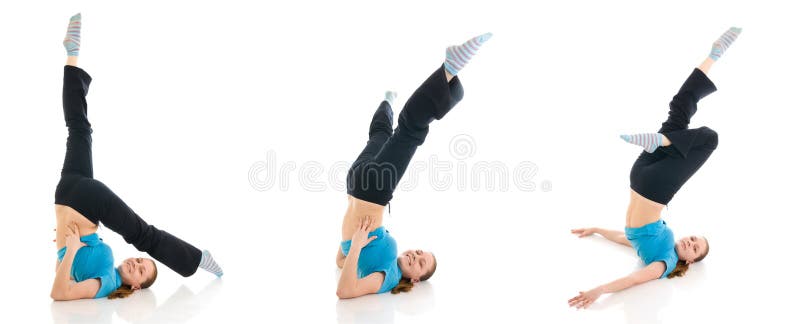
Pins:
x,y
659,175
91,198
380,166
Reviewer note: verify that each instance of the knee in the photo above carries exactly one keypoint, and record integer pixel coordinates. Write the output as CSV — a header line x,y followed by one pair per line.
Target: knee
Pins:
x,y
412,131
712,138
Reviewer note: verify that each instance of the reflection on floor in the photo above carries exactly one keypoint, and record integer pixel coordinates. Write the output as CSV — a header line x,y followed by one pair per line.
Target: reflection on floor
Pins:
x,y
382,308
141,307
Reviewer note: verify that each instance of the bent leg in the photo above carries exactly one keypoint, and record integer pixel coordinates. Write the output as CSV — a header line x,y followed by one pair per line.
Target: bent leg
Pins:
x,y
659,176
684,103
78,157
380,129
432,100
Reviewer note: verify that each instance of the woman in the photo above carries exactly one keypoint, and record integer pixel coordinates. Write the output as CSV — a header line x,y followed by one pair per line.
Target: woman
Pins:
x,y
367,253
85,266
670,158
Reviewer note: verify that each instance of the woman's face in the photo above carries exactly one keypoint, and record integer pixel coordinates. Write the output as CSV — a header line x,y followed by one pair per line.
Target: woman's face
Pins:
x,y
691,247
415,264
135,271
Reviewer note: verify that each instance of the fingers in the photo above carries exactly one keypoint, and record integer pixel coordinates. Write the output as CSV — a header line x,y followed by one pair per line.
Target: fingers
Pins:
x,y
580,301
365,223
371,238
73,228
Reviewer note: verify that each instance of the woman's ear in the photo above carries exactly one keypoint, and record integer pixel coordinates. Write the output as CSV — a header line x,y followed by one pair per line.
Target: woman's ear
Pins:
x,y
137,287
415,280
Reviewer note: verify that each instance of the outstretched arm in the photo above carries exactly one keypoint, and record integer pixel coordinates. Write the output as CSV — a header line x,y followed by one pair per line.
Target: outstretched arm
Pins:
x,y
611,235
650,272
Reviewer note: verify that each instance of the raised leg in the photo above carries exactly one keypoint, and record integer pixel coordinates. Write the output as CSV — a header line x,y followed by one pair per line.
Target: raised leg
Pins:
x,y
78,157
658,176
681,109
380,129
377,178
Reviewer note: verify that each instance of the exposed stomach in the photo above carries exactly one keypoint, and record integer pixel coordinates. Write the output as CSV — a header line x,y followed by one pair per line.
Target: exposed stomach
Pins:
x,y
356,210
642,211
65,215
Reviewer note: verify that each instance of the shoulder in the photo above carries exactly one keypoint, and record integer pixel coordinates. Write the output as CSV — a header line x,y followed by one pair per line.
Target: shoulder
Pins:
x,y
109,282
670,260
392,276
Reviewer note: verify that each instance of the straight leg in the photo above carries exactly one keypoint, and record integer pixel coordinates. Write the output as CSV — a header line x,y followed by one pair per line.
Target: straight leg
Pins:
x,y
78,157
99,204
173,252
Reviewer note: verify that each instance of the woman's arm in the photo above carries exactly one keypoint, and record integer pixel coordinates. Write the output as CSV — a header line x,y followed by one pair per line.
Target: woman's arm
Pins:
x,y
651,272
340,257
611,235
349,284
63,287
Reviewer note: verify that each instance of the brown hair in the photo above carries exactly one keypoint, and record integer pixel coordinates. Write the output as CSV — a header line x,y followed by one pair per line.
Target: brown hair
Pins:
x,y
682,266
126,290
405,284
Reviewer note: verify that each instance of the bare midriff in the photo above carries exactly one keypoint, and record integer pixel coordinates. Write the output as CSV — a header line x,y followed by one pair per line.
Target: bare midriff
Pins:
x,y
65,215
642,211
357,209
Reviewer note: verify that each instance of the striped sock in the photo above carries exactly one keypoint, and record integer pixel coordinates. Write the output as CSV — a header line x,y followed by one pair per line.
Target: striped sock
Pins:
x,y
72,41
207,263
390,96
724,42
457,56
650,141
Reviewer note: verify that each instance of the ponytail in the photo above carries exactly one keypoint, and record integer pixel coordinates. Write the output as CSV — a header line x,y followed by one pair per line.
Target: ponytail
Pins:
x,y
405,285
121,292
680,269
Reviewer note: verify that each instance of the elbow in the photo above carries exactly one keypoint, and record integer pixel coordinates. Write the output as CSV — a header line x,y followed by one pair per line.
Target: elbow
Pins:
x,y
343,294
56,296
60,294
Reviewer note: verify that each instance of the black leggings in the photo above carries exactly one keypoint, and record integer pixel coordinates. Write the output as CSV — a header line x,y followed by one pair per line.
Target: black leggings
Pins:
x,y
380,166
91,198
659,175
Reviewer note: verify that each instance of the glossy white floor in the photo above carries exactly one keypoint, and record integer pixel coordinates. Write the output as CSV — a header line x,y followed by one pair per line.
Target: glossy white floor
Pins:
x,y
196,108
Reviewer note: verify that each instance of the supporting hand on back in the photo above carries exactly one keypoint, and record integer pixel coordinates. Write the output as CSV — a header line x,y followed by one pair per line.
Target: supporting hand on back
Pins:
x,y
360,237
73,238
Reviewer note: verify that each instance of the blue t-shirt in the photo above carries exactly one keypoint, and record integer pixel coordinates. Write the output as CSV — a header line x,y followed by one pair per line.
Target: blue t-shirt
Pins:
x,y
654,242
94,260
380,255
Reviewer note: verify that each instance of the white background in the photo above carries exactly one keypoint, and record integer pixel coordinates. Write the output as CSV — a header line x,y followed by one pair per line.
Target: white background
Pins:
x,y
188,96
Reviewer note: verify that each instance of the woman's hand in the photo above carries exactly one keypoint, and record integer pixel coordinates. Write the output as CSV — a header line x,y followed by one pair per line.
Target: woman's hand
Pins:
x,y
73,238
583,232
584,299
360,238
